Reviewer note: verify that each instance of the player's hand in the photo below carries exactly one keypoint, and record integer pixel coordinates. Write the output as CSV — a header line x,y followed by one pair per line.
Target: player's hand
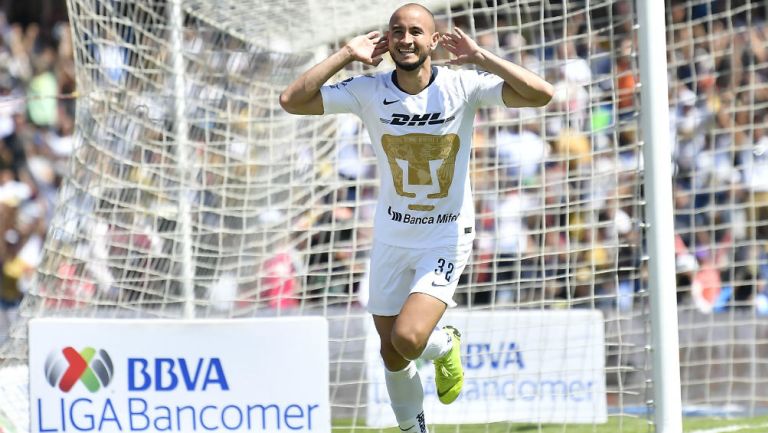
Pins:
x,y
368,48
464,49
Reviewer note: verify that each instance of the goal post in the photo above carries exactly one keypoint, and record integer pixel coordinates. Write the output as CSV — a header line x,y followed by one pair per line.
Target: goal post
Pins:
x,y
654,120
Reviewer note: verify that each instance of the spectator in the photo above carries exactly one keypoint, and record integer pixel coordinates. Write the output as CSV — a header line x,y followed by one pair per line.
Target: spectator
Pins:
x,y
43,91
353,154
755,166
521,149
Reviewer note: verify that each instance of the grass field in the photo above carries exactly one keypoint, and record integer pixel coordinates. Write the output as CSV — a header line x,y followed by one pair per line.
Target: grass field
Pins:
x,y
614,425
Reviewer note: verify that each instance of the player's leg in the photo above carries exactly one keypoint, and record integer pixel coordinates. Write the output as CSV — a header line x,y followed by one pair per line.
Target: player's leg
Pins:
x,y
403,339
393,360
415,335
390,284
436,278
406,392
415,326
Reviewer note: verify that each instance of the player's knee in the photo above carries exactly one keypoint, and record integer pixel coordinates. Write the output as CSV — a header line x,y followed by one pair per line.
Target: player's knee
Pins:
x,y
407,342
393,361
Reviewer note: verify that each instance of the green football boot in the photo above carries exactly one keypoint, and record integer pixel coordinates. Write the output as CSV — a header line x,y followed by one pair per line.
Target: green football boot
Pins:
x,y
449,374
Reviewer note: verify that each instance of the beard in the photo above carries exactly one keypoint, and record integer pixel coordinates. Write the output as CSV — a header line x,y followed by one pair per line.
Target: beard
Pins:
x,y
412,66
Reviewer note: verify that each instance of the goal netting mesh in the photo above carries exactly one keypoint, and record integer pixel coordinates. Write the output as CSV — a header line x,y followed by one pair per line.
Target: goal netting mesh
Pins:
x,y
192,194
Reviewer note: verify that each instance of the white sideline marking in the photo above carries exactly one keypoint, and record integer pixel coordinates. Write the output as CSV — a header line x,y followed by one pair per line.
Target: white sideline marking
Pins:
x,y
732,428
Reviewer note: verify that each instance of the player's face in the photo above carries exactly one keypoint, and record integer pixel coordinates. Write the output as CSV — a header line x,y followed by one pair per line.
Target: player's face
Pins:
x,y
412,38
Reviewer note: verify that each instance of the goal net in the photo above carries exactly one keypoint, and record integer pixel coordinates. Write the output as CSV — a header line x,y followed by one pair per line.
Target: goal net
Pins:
x,y
191,194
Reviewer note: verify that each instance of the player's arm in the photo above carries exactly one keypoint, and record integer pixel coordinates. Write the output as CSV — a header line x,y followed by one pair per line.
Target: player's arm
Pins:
x,y
522,88
303,95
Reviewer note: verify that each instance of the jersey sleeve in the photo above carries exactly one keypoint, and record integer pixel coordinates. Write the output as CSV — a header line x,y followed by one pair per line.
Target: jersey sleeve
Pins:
x,y
484,88
343,97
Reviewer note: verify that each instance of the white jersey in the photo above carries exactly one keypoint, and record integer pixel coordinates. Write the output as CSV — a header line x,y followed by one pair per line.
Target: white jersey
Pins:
x,y
423,144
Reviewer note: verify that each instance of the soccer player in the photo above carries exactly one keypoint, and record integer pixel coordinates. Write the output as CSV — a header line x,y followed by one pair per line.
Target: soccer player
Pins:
x,y
420,120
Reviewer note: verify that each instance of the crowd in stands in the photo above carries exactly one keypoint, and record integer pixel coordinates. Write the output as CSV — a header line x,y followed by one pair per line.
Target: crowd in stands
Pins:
x,y
36,136
718,120
557,190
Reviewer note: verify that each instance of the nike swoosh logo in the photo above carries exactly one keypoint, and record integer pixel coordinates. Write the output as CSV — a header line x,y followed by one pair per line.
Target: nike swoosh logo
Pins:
x,y
440,285
406,429
390,102
442,393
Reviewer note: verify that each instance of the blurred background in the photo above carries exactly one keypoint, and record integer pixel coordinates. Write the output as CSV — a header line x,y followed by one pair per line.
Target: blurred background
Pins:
x,y
37,109
558,190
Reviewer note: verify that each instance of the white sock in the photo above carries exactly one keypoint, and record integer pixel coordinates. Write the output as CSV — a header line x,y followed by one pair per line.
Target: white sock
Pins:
x,y
407,396
414,425
439,343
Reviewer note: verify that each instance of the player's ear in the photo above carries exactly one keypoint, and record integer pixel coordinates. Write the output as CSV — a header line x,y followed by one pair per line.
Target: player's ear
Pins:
x,y
435,39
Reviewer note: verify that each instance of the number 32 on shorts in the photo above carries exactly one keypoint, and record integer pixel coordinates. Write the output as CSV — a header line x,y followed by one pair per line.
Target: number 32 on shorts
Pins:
x,y
444,267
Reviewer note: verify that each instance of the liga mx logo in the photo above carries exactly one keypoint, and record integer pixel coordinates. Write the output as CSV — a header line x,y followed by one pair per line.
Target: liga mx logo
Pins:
x,y
94,369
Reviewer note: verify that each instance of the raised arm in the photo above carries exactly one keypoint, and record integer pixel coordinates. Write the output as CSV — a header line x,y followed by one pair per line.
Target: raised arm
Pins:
x,y
522,88
302,96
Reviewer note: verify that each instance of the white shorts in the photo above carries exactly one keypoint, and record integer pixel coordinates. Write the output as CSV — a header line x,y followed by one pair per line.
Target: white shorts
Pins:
x,y
397,272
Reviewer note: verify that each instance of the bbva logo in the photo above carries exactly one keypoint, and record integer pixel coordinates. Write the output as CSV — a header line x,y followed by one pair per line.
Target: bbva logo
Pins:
x,y
94,369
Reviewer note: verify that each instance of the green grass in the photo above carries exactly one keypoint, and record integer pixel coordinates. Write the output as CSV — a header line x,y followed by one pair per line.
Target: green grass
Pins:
x,y
751,425
614,425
